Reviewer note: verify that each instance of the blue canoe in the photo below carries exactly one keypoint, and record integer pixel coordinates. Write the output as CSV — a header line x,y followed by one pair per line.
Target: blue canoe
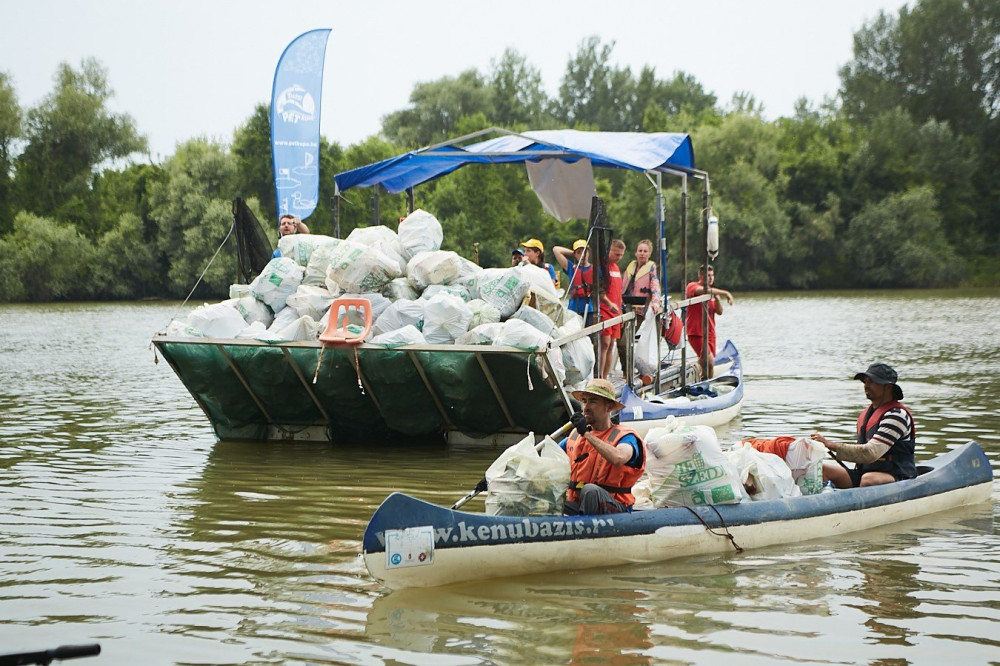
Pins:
x,y
411,543
711,402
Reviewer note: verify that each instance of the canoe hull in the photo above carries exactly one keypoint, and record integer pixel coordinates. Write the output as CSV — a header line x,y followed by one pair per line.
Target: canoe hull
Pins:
x,y
473,546
643,415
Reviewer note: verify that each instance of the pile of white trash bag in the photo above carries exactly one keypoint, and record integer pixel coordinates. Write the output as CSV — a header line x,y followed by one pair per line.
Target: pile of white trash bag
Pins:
x,y
528,480
687,466
419,294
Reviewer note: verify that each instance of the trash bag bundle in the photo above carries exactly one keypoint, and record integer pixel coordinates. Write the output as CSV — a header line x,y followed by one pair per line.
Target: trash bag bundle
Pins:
x,y
524,481
419,232
219,320
445,318
482,313
310,300
300,247
299,329
319,263
484,334
503,288
400,314
358,268
381,238
685,466
530,315
400,289
764,476
803,456
254,311
548,304
453,289
279,280
434,267
407,335
646,354
577,356
537,277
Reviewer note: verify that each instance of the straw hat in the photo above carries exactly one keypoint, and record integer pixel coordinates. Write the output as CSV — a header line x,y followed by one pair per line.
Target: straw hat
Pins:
x,y
602,388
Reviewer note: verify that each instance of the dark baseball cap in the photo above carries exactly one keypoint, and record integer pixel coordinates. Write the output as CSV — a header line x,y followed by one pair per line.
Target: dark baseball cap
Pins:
x,y
881,373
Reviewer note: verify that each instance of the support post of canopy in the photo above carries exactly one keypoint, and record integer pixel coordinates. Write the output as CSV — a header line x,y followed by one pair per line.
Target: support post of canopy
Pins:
x,y
708,370
336,211
684,274
661,231
376,205
409,200
246,385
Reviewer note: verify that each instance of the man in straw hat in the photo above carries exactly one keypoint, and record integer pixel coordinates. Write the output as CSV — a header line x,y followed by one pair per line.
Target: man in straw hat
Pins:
x,y
886,436
605,459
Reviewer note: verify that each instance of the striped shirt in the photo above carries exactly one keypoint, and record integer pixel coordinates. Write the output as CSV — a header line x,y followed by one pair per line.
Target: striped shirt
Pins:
x,y
894,426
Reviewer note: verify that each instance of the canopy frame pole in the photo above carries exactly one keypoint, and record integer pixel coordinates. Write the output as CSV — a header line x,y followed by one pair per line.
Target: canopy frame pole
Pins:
x,y
336,210
430,389
305,383
496,391
377,212
684,275
707,370
409,199
246,385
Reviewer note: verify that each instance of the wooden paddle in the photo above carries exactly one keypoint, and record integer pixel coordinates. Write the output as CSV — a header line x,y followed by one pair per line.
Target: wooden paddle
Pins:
x,y
481,486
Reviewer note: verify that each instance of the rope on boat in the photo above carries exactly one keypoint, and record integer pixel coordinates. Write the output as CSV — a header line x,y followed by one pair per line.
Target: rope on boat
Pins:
x,y
727,534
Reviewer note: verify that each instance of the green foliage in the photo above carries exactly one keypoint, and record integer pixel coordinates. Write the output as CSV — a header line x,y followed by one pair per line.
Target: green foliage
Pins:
x,y
436,109
899,242
193,209
10,131
254,166
45,261
69,135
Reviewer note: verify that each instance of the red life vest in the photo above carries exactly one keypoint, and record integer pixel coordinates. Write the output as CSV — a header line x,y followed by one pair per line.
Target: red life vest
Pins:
x,y
589,466
898,460
671,329
580,284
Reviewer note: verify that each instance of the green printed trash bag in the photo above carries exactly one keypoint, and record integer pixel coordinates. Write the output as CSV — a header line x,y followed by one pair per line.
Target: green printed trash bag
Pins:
x,y
524,481
685,466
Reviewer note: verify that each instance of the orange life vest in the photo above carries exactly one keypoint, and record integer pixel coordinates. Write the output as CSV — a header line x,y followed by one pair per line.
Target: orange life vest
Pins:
x,y
589,466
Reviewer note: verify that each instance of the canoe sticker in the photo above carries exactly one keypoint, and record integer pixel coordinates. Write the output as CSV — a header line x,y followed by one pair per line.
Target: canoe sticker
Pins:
x,y
410,547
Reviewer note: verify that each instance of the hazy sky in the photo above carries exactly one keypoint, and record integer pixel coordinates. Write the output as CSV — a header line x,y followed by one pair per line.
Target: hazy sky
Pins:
x,y
186,68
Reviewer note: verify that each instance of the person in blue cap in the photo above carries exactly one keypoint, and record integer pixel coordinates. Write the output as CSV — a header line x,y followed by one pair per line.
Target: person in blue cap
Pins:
x,y
886,436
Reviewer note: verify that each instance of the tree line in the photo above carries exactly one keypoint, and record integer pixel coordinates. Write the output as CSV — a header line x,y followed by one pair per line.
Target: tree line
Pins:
x,y
892,183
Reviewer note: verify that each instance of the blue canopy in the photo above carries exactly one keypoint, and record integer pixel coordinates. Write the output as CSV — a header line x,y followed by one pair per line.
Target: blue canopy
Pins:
x,y
623,150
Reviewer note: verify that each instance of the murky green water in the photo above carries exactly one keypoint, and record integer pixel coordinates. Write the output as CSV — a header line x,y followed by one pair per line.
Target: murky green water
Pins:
x,y
123,522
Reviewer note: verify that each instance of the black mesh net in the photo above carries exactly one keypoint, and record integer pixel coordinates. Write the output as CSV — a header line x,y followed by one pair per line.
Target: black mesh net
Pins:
x,y
252,246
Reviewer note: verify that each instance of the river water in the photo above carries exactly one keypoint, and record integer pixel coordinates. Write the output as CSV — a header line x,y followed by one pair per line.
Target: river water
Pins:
x,y
124,522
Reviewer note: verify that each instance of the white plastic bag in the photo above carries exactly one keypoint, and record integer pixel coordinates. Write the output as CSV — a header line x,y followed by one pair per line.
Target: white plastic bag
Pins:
x,y
445,318
521,334
219,320
319,262
805,458
530,315
546,303
504,289
309,300
691,467
408,335
645,351
453,289
768,473
526,482
279,280
254,311
420,232
484,334
577,356
300,247
482,313
400,314
537,277
301,329
359,268
436,267
400,289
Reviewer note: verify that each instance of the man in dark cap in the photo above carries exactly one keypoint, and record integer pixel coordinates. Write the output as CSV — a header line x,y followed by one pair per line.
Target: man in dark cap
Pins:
x,y
886,436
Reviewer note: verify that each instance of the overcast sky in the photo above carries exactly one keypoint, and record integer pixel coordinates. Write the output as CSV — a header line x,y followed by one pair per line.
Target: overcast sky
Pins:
x,y
186,68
